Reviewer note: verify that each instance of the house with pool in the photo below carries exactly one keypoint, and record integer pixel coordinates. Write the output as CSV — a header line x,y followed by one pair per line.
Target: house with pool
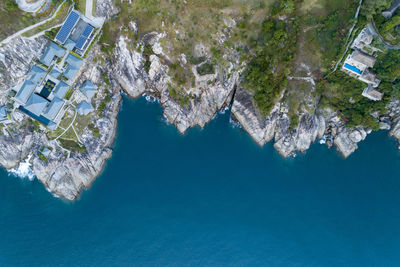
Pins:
x,y
358,65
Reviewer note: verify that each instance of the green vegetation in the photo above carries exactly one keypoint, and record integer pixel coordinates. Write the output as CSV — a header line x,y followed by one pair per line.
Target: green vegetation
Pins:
x,y
388,65
186,24
43,157
51,34
12,19
388,28
95,130
72,145
267,73
180,95
206,68
59,18
343,93
372,7
68,94
11,6
147,52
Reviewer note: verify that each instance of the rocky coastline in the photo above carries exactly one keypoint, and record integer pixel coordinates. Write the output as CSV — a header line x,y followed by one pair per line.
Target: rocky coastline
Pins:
x,y
67,174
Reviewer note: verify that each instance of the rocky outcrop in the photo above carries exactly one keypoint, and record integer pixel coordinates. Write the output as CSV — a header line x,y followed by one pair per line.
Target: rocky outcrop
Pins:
x,y
277,125
16,58
68,176
66,173
299,138
208,95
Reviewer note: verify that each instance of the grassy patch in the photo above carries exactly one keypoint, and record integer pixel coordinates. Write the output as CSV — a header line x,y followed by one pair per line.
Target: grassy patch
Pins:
x,y
12,19
186,24
72,145
81,122
59,18
206,68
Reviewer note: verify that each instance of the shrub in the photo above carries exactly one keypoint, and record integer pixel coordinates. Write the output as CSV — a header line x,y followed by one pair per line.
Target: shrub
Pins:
x,y
11,5
206,68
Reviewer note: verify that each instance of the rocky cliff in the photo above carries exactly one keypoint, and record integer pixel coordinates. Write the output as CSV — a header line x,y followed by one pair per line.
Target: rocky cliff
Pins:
x,y
66,173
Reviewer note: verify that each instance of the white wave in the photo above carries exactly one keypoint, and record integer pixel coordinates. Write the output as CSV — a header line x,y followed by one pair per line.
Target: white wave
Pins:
x,y
235,123
24,170
165,120
322,140
151,99
224,110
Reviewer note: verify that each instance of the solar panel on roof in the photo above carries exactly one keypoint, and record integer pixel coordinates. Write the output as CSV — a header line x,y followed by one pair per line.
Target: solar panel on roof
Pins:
x,y
80,42
88,30
66,29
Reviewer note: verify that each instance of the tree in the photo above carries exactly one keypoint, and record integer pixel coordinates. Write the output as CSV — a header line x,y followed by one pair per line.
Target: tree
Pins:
x,y
388,65
11,5
372,7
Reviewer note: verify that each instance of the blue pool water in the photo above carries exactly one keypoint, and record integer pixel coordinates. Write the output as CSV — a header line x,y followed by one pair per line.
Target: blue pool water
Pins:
x,y
353,68
211,197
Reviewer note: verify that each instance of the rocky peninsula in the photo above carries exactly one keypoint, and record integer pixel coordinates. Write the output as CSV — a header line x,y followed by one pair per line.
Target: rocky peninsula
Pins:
x,y
132,69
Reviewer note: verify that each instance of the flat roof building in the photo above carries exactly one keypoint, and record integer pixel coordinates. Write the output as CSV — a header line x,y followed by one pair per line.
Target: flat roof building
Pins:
x,y
372,93
67,27
363,58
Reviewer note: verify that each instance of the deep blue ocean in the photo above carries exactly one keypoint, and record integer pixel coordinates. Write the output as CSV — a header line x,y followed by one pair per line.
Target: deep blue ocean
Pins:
x,y
211,197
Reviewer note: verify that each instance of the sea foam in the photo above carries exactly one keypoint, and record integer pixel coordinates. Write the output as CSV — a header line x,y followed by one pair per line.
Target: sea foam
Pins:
x,y
24,170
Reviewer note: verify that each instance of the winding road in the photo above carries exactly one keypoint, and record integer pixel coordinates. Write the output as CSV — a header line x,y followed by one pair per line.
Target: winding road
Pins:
x,y
19,33
374,31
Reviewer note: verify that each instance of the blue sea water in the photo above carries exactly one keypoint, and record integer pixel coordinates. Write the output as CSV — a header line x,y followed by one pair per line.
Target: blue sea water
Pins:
x,y
211,197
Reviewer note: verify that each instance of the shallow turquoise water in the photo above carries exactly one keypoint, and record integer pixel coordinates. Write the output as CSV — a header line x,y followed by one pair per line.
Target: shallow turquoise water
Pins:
x,y
211,197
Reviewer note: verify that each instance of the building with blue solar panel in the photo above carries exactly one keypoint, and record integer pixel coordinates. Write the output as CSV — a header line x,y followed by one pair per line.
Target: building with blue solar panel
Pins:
x,y
76,33
45,94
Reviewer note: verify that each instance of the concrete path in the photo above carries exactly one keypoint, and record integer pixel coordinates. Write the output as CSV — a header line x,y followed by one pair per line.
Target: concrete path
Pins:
x,y
19,33
89,9
42,32
69,126
374,31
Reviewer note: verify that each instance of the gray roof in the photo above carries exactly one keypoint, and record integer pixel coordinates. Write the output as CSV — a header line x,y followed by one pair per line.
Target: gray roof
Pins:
x,y
55,73
61,89
36,74
74,64
69,44
364,58
36,104
88,89
84,108
25,91
70,72
54,107
52,51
